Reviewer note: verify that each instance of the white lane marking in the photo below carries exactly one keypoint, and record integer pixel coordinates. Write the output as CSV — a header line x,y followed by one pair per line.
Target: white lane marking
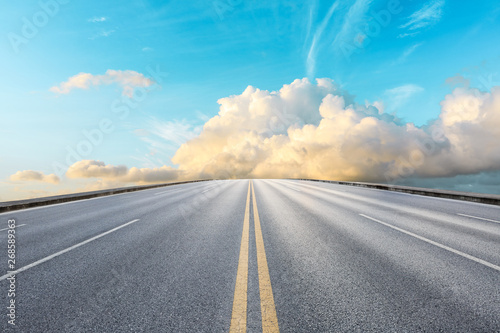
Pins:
x,y
38,262
17,226
460,253
479,218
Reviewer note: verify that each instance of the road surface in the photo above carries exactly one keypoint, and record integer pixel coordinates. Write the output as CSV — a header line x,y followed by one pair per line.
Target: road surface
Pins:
x,y
265,255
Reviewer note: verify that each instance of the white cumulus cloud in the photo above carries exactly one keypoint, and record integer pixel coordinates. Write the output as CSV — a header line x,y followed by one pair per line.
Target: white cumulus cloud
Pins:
x,y
128,80
317,131
120,173
30,175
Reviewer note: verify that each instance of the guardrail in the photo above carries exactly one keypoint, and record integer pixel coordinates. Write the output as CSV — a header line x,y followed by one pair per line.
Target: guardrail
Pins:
x,y
490,199
45,201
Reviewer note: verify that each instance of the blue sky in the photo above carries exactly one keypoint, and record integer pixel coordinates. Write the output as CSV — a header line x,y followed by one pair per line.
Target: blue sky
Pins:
x,y
398,53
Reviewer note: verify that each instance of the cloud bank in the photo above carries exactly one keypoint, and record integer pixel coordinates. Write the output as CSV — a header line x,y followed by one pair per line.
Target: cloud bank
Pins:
x,y
30,175
128,80
98,169
317,130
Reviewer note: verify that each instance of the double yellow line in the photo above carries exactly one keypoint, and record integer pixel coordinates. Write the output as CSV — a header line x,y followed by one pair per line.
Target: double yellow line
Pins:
x,y
267,308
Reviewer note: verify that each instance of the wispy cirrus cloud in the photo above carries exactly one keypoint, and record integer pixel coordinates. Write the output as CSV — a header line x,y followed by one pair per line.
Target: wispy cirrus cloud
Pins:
x,y
97,19
398,96
426,16
311,56
163,138
100,20
353,18
176,132
406,53
128,79
104,33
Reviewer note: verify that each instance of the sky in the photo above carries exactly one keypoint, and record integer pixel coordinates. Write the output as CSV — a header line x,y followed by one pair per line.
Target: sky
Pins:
x,y
98,95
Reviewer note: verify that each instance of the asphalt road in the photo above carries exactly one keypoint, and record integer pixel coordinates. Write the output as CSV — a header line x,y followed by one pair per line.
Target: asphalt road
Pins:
x,y
216,256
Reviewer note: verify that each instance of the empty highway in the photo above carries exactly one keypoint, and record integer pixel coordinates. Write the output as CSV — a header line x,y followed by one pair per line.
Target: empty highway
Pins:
x,y
260,255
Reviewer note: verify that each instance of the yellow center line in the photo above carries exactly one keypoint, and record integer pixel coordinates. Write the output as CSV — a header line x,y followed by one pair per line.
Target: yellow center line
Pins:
x,y
239,316
267,308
